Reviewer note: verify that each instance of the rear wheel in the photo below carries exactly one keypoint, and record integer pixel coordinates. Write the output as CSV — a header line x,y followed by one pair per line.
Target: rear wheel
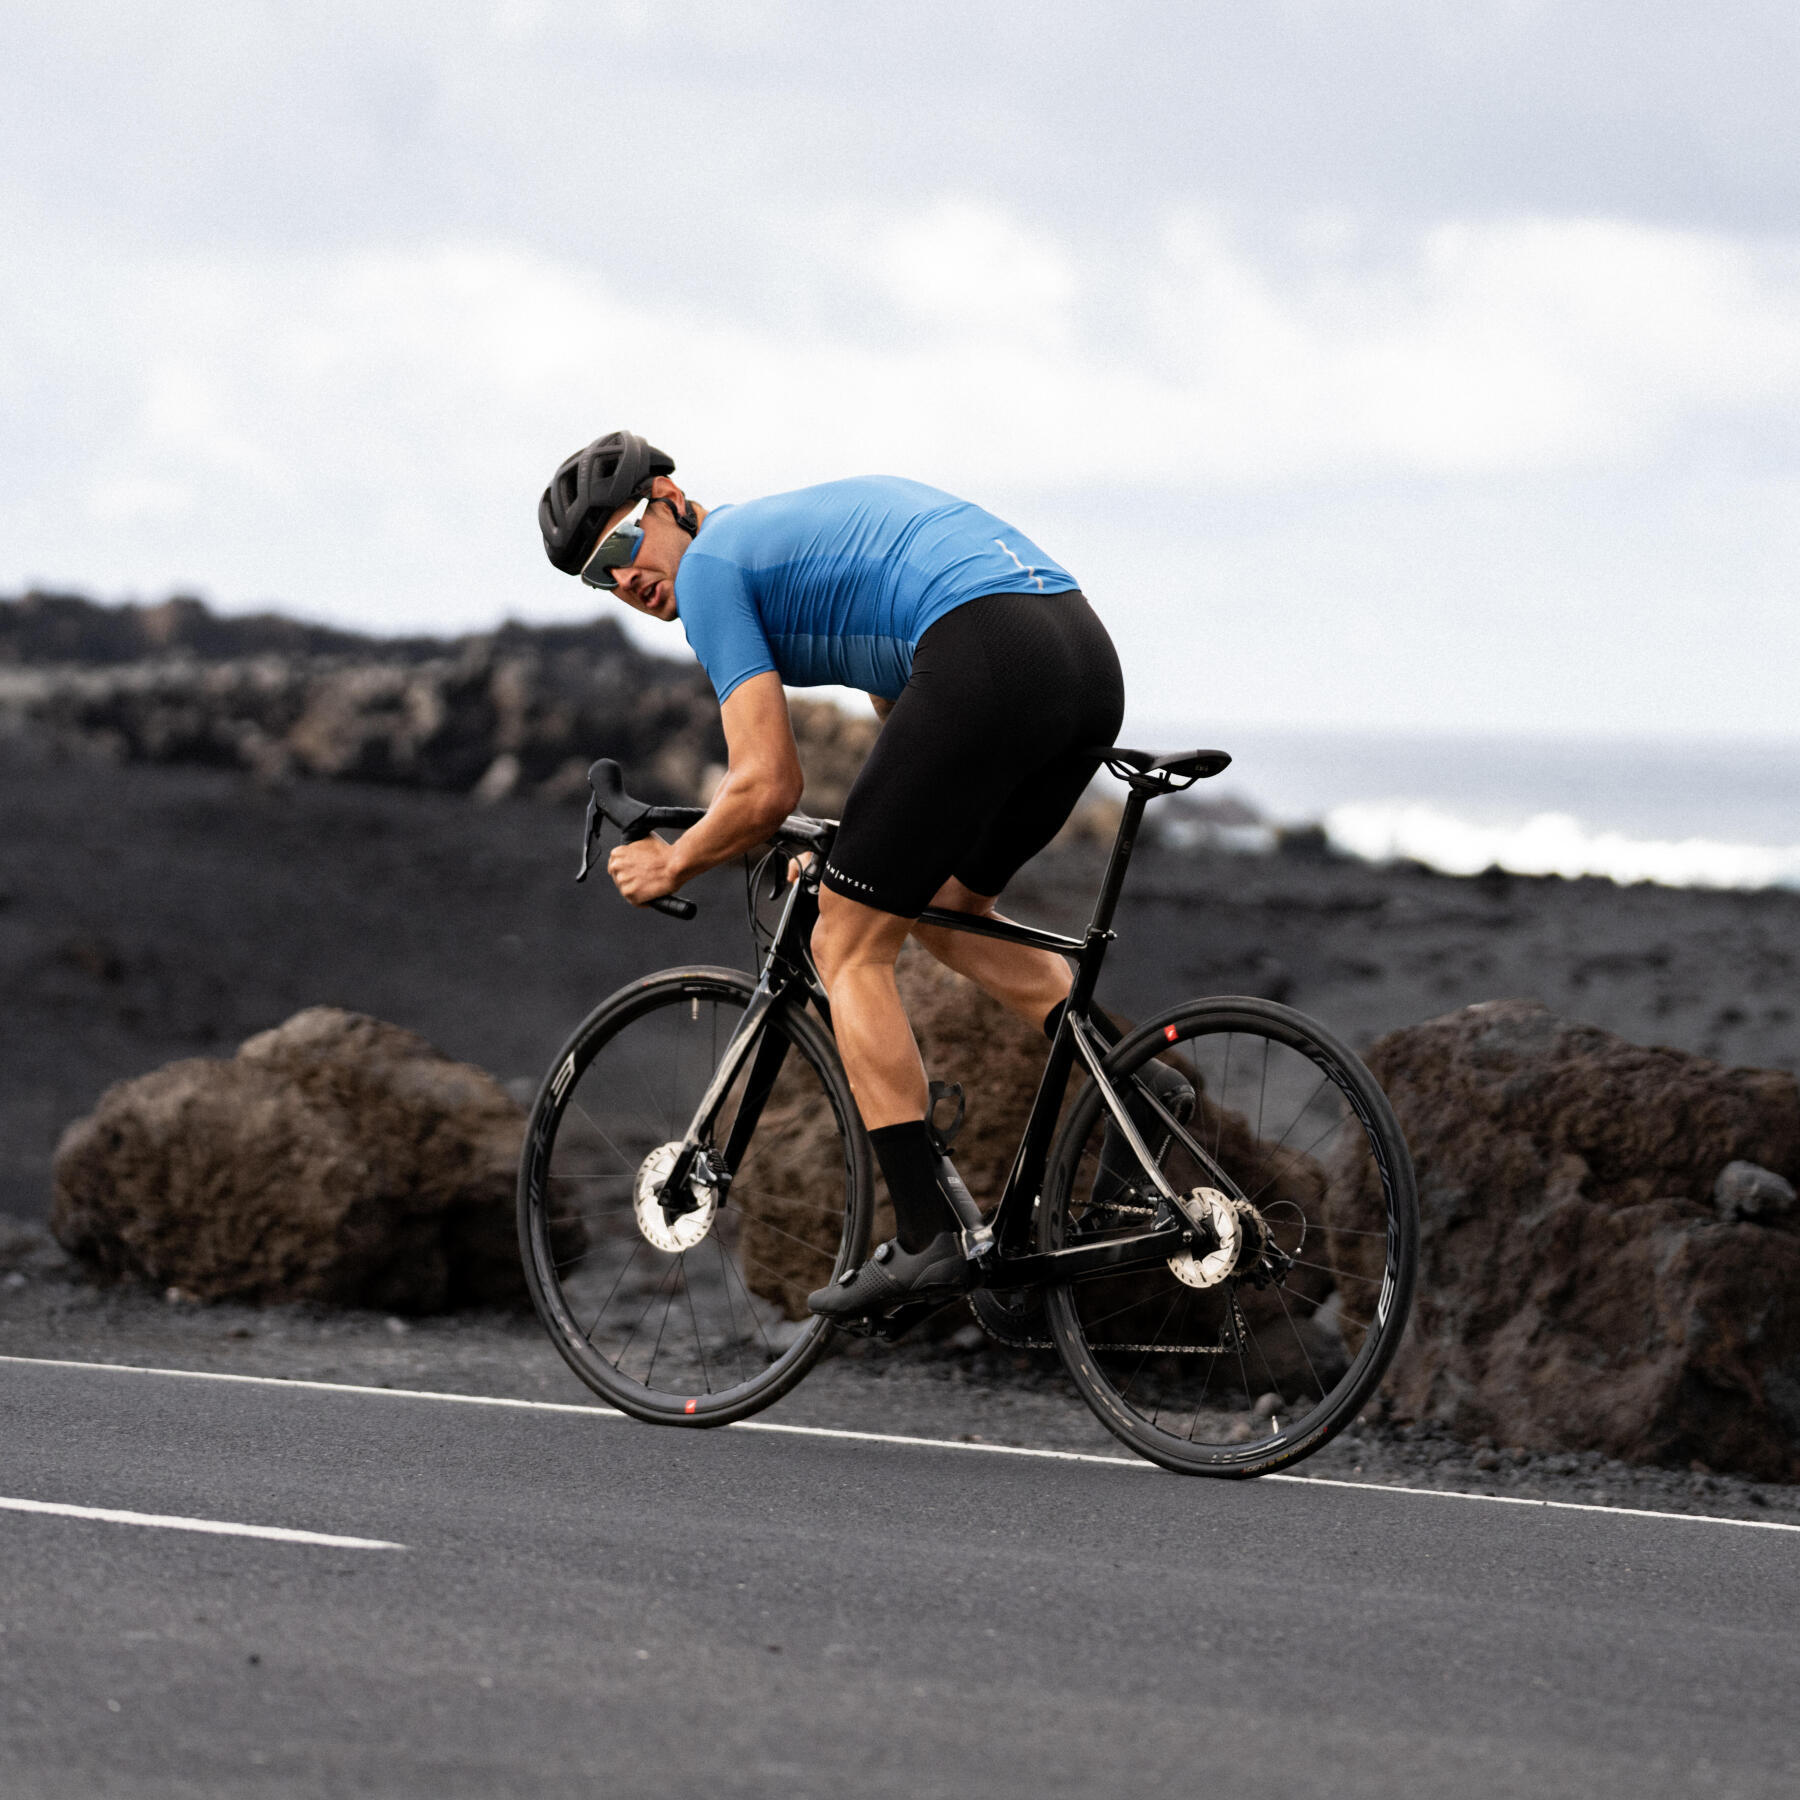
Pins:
x,y
1265,1342
690,1309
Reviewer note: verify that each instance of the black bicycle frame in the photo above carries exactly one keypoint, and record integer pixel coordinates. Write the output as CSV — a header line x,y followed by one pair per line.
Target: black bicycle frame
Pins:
x,y
788,975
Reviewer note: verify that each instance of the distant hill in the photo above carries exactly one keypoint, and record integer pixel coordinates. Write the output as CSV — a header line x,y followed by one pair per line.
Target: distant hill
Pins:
x,y
522,709
69,629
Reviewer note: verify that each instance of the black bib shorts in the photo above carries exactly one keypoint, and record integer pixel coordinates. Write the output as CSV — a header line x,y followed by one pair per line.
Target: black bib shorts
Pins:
x,y
985,753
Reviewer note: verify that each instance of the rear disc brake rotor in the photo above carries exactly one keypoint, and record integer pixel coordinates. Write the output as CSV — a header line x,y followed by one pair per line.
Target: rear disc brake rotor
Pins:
x,y
1225,1216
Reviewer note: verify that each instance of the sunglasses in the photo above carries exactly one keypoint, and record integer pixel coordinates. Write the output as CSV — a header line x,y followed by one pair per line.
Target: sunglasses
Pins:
x,y
617,550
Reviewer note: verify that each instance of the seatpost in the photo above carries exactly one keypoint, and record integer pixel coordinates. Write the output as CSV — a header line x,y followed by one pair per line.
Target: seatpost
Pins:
x,y
1100,925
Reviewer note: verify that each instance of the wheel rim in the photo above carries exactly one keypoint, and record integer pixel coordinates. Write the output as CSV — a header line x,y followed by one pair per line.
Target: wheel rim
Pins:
x,y
1242,1370
691,1309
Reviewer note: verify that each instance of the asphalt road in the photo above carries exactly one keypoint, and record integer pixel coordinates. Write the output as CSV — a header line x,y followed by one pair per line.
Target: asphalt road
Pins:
x,y
583,1605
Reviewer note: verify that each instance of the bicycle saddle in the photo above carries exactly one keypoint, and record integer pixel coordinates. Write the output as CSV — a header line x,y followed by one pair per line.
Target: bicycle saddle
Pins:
x,y
1162,768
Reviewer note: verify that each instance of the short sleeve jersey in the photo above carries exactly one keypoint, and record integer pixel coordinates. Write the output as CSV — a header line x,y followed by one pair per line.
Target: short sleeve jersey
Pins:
x,y
837,583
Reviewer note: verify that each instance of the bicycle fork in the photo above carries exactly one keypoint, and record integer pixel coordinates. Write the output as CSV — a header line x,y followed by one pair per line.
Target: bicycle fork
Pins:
x,y
696,1157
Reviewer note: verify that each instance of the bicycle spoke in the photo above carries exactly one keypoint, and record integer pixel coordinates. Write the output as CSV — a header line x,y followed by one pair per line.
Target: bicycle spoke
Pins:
x,y
625,1161
694,1318
632,1334
604,1304
1224,1101
662,1325
1200,1398
1156,1337
1294,1330
1337,1274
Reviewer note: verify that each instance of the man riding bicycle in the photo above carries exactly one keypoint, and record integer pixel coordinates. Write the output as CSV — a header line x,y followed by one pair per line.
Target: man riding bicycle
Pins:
x,y
995,683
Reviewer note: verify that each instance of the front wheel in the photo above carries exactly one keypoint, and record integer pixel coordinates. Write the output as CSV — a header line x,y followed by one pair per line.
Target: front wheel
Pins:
x,y
689,1308
1261,1344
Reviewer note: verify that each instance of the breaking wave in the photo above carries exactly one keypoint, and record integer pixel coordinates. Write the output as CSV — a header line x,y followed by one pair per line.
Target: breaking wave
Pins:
x,y
1552,843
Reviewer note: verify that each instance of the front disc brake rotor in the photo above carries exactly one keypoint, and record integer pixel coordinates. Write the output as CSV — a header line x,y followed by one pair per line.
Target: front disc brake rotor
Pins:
x,y
1221,1213
686,1229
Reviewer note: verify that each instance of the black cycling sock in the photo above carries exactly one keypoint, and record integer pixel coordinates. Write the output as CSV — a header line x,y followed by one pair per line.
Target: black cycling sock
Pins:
x,y
910,1163
1110,1032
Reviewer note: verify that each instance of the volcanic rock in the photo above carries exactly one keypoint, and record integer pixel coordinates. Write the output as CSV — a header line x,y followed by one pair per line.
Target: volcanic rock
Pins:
x,y
1744,1191
1578,1288
335,1159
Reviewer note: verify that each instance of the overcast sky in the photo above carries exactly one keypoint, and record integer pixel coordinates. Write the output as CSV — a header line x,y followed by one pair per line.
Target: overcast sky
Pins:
x,y
1370,364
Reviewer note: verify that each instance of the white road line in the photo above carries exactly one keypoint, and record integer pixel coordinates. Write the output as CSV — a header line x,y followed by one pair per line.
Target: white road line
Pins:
x,y
888,1437
1583,1506
109,1515
881,1437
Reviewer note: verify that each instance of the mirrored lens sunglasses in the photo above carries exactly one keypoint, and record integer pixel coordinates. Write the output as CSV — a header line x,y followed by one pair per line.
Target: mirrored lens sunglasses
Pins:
x,y
617,550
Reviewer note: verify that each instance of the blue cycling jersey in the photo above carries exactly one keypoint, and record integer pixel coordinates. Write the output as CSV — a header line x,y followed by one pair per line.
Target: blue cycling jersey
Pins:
x,y
837,583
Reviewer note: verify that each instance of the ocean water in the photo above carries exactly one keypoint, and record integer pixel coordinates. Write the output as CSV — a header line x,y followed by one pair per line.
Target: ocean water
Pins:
x,y
1715,813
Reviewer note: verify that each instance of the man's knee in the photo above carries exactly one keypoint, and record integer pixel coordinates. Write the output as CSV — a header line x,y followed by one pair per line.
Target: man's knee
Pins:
x,y
954,897
848,933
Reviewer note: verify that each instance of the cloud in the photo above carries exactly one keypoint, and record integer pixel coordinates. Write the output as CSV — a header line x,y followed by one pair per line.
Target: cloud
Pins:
x,y
1498,347
363,432
967,268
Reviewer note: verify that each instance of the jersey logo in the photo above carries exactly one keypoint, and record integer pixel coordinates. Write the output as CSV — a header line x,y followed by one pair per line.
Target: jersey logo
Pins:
x,y
1023,568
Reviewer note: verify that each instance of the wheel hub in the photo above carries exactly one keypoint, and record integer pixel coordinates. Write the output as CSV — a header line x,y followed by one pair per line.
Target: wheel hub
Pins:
x,y
685,1229
1236,1224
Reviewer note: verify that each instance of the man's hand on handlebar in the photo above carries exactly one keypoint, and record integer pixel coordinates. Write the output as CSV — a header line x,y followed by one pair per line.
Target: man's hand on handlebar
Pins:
x,y
643,871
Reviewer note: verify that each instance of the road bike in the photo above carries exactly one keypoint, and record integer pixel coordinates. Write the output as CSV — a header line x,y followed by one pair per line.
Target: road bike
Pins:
x,y
1225,1280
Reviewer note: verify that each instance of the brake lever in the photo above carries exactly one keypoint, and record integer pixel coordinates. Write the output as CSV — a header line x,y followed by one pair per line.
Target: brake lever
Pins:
x,y
668,904
589,833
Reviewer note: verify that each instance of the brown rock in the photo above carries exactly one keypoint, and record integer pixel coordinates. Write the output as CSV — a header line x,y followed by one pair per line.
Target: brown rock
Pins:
x,y
1577,1288
336,1159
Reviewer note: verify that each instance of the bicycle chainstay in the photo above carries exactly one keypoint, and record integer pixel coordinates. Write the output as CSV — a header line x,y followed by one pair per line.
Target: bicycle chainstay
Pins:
x,y
1009,1339
888,1327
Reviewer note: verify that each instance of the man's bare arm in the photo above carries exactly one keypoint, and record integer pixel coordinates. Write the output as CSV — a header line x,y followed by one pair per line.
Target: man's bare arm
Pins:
x,y
882,707
761,787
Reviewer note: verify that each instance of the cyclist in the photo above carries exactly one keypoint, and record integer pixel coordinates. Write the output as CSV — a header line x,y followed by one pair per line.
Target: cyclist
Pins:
x,y
993,679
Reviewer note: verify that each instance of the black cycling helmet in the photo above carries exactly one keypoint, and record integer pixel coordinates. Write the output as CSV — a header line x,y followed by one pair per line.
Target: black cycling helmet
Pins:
x,y
589,488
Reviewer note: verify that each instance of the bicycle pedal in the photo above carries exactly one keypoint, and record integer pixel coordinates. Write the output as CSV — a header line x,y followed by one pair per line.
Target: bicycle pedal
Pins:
x,y
889,1327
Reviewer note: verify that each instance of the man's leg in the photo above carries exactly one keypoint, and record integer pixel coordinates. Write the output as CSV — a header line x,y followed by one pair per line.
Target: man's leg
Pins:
x,y
855,947
1028,983
1033,984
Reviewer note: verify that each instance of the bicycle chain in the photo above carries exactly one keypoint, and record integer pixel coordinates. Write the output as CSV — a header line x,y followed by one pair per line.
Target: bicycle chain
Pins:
x,y
1240,1328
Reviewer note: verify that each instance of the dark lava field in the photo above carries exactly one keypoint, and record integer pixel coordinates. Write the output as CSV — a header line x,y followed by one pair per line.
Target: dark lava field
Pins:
x,y
153,912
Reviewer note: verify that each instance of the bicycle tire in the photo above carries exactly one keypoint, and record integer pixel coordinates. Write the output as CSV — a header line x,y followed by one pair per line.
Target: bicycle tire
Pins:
x,y
622,1091
1262,1365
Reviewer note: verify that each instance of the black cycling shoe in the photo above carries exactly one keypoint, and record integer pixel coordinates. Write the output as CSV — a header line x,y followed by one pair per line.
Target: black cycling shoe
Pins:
x,y
895,1277
1118,1166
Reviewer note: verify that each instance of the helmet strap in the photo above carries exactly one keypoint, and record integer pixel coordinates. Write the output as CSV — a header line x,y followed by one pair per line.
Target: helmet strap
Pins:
x,y
685,518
